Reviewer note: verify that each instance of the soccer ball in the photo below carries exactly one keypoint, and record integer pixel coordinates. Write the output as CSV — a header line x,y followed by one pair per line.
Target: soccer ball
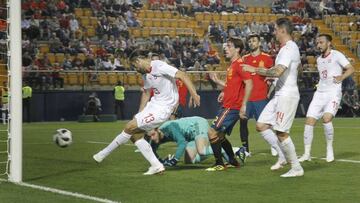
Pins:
x,y
63,137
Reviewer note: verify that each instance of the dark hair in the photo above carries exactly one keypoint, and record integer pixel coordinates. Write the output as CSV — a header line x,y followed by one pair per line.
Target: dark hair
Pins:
x,y
327,36
254,35
285,23
135,54
238,43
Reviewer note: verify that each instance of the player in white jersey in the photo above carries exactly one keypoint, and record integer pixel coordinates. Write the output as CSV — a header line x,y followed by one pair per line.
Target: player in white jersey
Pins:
x,y
160,77
327,97
279,113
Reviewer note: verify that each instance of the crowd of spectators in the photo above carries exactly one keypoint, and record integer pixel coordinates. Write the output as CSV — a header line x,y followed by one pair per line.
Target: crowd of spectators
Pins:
x,y
56,24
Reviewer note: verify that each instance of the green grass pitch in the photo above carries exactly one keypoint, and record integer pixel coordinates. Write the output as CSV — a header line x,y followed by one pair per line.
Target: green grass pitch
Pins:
x,y
119,177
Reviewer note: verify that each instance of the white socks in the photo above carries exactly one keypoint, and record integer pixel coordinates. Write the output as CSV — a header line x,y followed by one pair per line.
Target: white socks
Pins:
x,y
329,134
288,148
122,138
147,152
272,139
308,138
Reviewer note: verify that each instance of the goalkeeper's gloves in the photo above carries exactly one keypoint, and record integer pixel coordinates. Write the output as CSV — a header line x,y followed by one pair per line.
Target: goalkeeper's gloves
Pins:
x,y
170,161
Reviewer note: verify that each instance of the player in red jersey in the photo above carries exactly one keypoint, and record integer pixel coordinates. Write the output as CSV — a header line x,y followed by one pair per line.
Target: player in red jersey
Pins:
x,y
183,92
236,92
259,94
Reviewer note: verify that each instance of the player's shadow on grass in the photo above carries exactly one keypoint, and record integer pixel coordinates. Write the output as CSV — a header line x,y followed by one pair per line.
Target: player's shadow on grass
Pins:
x,y
67,166
315,165
59,173
186,167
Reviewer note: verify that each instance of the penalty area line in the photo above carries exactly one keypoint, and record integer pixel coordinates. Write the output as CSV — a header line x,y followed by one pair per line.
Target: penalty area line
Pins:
x,y
63,192
336,160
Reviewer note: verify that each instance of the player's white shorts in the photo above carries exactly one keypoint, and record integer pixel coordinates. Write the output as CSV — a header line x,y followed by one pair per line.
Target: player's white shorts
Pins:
x,y
324,102
152,116
280,112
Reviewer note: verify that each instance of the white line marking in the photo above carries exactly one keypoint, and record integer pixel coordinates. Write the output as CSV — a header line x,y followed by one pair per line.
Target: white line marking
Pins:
x,y
339,160
320,126
63,192
95,142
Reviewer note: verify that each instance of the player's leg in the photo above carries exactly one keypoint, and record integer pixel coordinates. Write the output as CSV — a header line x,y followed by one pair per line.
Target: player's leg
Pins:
x,y
223,123
329,136
259,107
146,150
285,114
122,138
244,133
244,130
308,138
191,154
215,142
263,125
314,112
330,112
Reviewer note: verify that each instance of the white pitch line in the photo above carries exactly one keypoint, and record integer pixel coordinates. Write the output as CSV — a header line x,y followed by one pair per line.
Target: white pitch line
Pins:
x,y
63,192
339,160
95,142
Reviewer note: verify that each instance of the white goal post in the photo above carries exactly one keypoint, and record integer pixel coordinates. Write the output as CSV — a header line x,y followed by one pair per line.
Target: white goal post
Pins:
x,y
15,96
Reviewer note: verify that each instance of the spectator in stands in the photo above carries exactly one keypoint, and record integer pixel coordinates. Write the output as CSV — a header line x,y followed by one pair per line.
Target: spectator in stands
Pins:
x,y
74,26
279,6
77,63
351,102
117,62
106,64
67,62
181,8
355,7
93,106
348,84
56,45
325,8
154,4
45,31
89,62
57,79
341,7
44,65
131,20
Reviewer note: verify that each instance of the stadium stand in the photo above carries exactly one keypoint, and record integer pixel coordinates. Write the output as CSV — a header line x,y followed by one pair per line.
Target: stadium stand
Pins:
x,y
187,35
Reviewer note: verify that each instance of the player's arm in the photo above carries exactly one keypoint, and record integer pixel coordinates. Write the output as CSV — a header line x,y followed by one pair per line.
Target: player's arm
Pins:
x,y
214,77
181,146
145,96
275,71
189,85
176,135
248,89
349,71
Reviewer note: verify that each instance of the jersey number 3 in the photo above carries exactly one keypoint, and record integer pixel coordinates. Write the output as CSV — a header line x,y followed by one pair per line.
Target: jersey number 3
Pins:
x,y
149,118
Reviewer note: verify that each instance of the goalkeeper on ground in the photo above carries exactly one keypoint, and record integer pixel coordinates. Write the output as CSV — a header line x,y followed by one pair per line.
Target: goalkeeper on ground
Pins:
x,y
190,135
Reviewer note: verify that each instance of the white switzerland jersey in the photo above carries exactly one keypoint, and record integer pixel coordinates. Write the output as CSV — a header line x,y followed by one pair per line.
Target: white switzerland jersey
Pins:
x,y
288,56
162,80
329,67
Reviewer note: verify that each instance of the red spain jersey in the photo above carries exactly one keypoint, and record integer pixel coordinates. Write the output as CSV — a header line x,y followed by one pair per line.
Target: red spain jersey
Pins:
x,y
234,89
182,92
260,88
